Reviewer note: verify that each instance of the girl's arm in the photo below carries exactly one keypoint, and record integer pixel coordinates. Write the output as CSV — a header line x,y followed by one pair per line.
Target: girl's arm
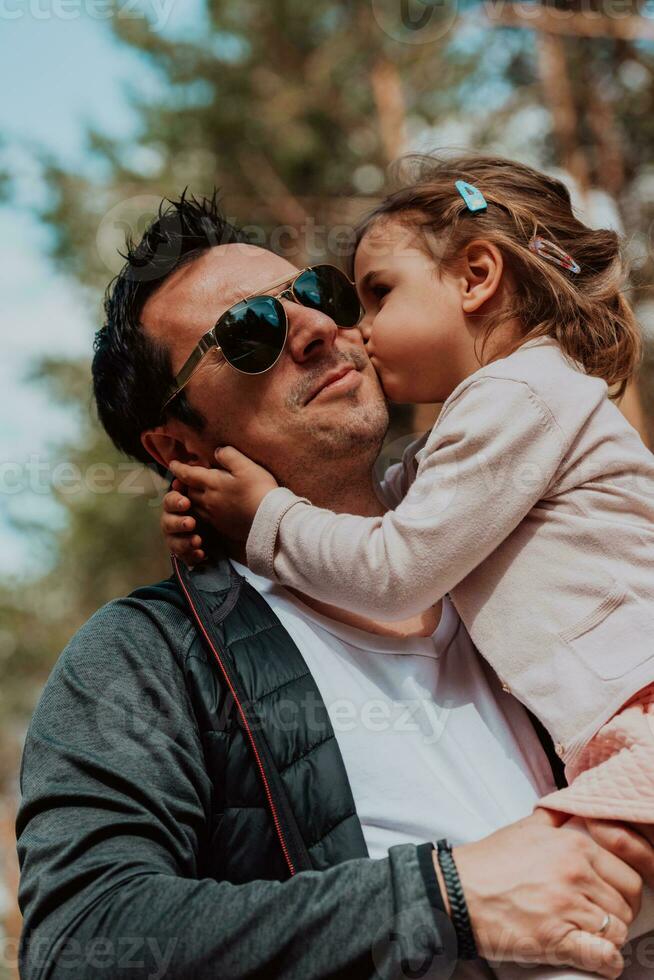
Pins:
x,y
492,455
399,476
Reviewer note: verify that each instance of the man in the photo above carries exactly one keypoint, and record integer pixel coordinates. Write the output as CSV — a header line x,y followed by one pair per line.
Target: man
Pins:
x,y
194,802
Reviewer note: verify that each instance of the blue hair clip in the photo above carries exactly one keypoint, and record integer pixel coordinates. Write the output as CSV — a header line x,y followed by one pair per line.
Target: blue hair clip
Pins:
x,y
473,197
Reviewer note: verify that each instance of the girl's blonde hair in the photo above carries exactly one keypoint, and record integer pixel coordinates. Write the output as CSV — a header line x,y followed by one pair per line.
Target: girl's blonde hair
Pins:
x,y
587,312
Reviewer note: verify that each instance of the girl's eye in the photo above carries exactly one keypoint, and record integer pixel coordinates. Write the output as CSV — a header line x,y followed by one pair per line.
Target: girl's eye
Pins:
x,y
379,291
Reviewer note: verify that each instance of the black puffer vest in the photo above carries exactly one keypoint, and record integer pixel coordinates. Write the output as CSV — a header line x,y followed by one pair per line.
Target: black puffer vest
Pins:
x,y
282,799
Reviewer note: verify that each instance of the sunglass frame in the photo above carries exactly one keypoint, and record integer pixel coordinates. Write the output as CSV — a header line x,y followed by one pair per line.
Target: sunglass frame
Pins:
x,y
209,341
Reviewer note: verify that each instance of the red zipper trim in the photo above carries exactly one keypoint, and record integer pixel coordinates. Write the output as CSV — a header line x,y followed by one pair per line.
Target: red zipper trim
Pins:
x,y
271,802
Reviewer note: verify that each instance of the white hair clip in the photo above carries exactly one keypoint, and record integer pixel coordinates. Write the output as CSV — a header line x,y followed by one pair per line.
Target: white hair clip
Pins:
x,y
553,253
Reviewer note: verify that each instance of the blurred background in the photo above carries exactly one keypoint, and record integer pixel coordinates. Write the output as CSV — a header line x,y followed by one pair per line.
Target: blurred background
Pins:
x,y
296,109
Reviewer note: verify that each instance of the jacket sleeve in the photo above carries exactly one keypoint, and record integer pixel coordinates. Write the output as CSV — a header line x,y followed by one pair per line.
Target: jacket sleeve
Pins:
x,y
113,823
492,455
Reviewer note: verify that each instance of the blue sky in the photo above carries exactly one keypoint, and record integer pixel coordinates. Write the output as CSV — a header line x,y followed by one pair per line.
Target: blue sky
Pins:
x,y
58,73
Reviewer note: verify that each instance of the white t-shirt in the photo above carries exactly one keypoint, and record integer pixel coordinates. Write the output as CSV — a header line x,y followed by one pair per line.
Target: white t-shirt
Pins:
x,y
432,746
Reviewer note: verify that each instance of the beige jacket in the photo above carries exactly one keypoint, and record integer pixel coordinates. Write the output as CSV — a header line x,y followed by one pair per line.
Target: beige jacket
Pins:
x,y
532,504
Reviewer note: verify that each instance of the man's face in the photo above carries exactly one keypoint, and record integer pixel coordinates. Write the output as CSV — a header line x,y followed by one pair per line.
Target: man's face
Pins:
x,y
284,418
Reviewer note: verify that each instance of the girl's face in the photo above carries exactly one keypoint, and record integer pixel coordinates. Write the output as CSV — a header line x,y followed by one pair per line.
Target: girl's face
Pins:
x,y
419,324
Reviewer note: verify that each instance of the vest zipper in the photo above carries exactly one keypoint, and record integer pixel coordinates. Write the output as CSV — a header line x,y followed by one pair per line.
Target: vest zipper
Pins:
x,y
264,778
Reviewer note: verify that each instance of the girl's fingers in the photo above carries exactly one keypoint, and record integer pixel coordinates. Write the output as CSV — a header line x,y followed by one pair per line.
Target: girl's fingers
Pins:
x,y
198,500
174,502
231,459
197,477
618,889
180,546
173,524
630,843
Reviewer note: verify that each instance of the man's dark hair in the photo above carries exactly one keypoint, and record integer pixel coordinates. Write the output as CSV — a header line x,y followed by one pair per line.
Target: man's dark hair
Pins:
x,y
131,371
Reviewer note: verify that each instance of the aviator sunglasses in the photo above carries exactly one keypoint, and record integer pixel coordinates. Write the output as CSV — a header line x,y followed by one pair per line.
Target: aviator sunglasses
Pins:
x,y
251,334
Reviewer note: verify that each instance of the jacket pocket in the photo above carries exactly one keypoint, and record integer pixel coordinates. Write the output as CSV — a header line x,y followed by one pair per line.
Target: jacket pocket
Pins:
x,y
617,637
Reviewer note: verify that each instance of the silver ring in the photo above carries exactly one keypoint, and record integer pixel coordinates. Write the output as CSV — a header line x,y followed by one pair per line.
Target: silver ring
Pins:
x,y
605,925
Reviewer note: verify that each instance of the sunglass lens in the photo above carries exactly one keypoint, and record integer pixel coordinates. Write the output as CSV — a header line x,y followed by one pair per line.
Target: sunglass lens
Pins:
x,y
252,334
327,289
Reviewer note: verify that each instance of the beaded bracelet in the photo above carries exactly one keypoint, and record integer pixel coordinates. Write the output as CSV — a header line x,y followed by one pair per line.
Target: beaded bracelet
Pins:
x,y
458,907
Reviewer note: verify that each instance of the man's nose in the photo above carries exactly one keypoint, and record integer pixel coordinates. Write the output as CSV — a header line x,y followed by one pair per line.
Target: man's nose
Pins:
x,y
311,334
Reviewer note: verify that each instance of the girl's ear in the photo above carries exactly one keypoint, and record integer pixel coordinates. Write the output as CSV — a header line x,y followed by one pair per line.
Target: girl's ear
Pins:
x,y
483,267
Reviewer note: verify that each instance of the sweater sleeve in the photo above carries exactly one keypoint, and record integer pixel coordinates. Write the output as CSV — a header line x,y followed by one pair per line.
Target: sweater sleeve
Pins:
x,y
115,818
399,476
492,455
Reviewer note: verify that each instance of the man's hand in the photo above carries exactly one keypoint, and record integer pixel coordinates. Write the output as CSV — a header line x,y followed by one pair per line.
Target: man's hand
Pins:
x,y
537,894
227,497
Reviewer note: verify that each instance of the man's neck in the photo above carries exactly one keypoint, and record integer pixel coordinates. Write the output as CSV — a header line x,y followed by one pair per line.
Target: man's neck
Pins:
x,y
360,498
347,492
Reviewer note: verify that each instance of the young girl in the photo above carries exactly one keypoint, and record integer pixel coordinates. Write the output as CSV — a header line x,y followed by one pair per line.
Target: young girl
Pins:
x,y
531,501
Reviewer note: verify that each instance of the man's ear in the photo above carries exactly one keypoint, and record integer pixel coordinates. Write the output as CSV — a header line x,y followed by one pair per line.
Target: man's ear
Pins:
x,y
163,445
482,273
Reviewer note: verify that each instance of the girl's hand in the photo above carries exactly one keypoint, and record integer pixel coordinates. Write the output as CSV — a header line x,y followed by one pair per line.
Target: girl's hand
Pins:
x,y
632,843
178,527
228,497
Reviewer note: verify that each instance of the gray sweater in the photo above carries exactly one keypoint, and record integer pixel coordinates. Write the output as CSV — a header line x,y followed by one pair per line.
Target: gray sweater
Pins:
x,y
112,825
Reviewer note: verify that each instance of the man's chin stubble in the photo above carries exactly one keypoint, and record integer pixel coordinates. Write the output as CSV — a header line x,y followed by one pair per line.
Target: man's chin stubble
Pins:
x,y
354,430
